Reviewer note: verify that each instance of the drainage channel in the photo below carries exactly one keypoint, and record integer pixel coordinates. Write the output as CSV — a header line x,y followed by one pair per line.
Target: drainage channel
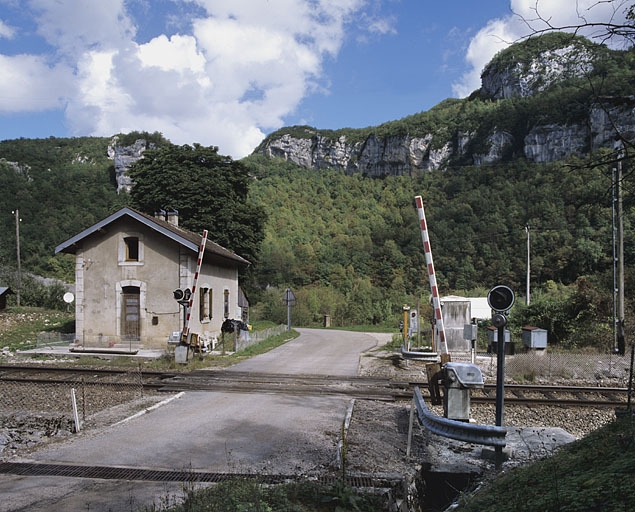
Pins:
x,y
154,475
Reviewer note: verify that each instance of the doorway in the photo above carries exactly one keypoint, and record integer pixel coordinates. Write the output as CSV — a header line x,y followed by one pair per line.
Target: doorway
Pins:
x,y
130,314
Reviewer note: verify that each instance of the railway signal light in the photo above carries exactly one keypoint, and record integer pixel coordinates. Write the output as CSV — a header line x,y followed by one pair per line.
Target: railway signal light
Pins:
x,y
182,296
500,298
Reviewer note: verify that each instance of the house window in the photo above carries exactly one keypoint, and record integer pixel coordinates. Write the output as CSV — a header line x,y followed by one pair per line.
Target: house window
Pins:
x,y
132,248
226,304
205,304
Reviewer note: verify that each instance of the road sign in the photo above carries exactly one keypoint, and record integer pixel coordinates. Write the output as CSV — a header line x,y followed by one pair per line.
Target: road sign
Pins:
x,y
289,298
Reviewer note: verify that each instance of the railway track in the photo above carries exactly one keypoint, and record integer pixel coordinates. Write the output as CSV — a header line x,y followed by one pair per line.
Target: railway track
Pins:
x,y
368,388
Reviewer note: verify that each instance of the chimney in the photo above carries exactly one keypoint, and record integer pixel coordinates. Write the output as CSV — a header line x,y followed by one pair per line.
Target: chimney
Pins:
x,y
173,217
160,215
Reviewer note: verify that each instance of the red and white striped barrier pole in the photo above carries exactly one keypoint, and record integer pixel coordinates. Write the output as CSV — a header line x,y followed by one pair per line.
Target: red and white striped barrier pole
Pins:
x,y
187,335
436,304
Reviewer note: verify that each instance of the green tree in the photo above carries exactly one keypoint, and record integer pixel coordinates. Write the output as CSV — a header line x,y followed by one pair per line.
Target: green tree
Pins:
x,y
208,190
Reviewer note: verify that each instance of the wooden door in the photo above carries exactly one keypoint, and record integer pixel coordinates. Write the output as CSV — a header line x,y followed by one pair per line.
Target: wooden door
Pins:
x,y
130,314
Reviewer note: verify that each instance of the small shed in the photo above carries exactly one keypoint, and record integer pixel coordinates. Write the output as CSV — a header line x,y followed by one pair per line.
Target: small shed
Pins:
x,y
4,291
534,337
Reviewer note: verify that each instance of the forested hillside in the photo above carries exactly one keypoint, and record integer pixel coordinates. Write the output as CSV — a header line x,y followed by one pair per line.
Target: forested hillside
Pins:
x,y
353,245
350,245
60,186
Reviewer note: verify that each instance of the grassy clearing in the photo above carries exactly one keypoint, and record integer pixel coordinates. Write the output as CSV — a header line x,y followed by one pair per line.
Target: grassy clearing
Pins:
x,y
219,361
19,326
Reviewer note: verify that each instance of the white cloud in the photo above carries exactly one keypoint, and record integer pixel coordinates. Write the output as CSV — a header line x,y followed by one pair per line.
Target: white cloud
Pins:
x,y
494,37
530,16
6,31
73,26
238,69
29,84
178,53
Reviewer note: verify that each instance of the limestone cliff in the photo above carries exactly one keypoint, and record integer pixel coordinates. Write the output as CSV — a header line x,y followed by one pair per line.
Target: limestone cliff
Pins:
x,y
514,72
123,157
532,104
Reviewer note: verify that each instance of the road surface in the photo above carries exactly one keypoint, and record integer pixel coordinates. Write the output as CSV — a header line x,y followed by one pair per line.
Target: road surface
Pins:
x,y
205,431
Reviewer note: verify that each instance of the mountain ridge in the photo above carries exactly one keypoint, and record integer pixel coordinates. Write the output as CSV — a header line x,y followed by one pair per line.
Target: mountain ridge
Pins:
x,y
540,100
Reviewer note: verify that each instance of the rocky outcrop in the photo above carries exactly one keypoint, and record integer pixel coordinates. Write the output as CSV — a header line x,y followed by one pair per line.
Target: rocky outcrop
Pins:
x,y
404,155
498,142
374,157
542,132
18,168
123,157
525,79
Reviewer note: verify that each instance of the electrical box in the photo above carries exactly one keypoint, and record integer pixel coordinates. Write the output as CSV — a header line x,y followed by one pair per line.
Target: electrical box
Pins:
x,y
459,379
534,337
470,332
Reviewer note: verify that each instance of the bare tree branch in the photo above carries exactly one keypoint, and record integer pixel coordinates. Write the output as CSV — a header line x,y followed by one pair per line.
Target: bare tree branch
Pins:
x,y
602,31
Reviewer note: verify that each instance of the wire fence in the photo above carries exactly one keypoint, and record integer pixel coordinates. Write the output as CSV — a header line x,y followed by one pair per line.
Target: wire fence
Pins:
x,y
555,367
52,403
247,339
51,339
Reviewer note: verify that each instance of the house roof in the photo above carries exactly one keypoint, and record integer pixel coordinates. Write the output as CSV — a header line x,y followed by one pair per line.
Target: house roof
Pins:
x,y
182,236
4,290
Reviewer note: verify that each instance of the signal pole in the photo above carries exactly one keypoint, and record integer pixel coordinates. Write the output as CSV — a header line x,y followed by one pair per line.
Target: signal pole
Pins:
x,y
528,265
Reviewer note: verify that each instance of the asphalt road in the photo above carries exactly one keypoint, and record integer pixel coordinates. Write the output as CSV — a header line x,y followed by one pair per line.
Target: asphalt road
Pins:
x,y
208,431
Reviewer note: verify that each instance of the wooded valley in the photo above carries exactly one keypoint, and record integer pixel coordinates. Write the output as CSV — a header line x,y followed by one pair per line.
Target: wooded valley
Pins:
x,y
350,245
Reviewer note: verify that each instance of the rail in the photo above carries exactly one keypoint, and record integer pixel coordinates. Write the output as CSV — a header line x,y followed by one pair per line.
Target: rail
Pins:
x,y
461,431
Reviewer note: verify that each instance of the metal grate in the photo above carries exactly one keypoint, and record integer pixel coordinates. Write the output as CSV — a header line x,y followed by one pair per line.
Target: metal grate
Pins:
x,y
154,475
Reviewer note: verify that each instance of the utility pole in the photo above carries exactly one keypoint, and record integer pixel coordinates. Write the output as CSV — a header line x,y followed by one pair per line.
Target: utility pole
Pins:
x,y
621,342
17,243
528,263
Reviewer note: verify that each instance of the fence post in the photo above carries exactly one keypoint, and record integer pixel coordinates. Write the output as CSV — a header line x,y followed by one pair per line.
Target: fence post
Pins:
x,y
75,413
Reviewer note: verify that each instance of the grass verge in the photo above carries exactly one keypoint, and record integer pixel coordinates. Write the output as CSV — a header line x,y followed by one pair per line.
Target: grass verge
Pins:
x,y
249,495
595,473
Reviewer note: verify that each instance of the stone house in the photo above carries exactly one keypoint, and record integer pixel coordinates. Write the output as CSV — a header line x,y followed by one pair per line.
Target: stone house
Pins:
x,y
127,268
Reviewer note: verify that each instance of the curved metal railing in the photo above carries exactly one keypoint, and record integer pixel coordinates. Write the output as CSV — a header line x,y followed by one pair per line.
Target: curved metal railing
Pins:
x,y
459,430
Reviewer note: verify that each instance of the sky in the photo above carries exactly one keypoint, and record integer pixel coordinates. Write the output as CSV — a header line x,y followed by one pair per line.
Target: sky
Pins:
x,y
228,72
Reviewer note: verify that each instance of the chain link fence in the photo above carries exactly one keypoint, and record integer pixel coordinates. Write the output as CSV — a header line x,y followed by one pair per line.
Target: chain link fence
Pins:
x,y
48,407
249,338
551,367
52,339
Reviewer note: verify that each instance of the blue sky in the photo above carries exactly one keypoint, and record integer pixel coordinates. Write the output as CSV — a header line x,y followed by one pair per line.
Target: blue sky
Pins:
x,y
228,72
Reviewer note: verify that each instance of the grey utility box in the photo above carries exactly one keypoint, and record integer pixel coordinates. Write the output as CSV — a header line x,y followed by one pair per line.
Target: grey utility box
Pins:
x,y
492,336
470,332
459,379
534,337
